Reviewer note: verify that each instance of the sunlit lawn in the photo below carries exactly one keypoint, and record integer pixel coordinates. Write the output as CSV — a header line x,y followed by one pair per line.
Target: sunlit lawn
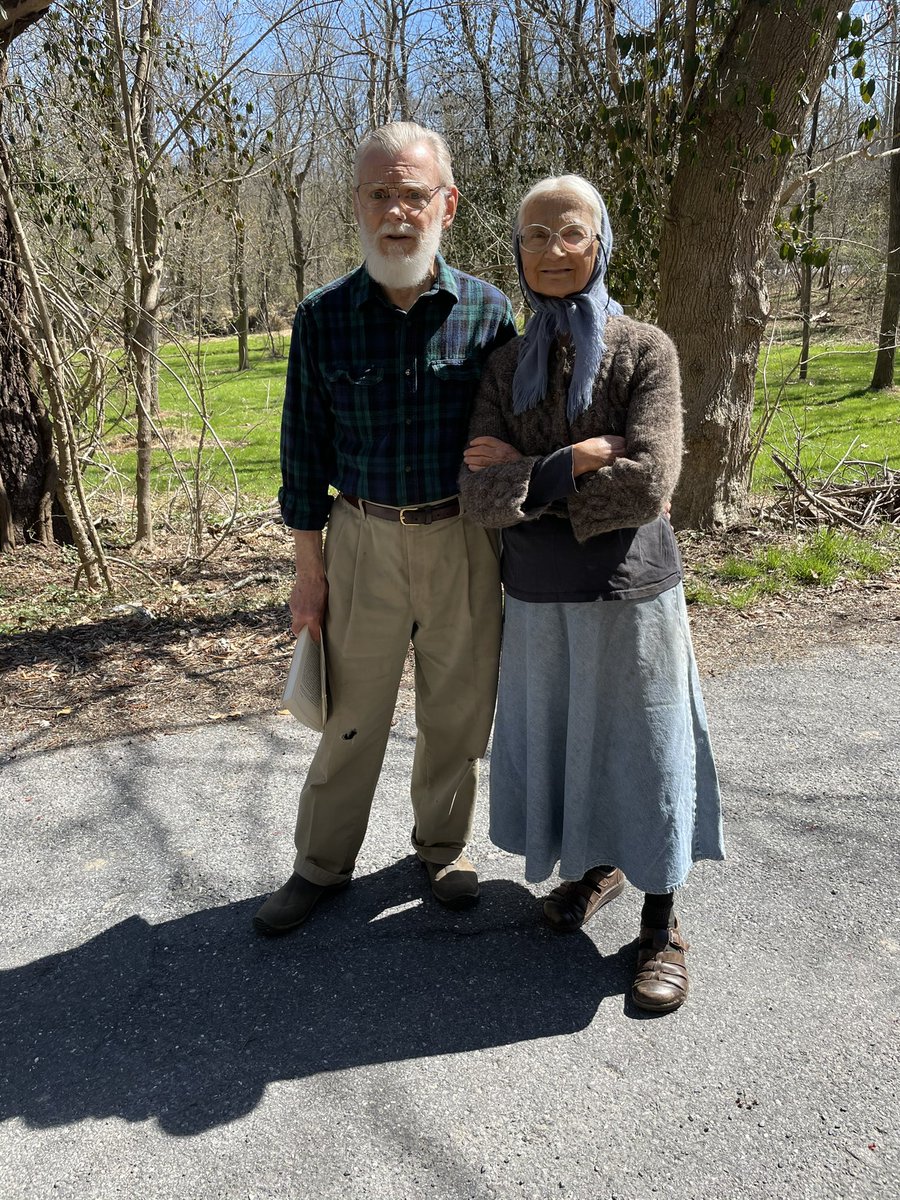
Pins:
x,y
243,407
833,412
827,413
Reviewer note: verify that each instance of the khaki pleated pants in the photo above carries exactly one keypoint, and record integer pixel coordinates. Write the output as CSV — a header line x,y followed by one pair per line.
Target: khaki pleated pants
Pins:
x,y
438,586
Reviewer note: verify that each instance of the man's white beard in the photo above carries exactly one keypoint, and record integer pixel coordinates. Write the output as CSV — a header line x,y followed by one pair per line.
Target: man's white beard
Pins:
x,y
400,269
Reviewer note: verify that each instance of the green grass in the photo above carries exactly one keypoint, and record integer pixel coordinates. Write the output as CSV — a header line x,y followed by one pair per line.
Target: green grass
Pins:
x,y
817,559
244,409
827,414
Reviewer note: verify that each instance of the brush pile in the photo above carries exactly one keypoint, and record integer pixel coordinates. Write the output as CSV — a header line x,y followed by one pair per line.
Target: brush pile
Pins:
x,y
856,493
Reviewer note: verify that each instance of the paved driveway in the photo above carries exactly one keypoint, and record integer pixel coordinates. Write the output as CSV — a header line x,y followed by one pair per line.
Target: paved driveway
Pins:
x,y
154,1047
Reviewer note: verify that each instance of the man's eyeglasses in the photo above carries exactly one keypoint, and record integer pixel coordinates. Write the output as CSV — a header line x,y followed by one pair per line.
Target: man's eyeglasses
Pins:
x,y
534,239
413,196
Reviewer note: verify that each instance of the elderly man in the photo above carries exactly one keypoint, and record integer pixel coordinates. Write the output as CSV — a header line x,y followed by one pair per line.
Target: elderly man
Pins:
x,y
383,369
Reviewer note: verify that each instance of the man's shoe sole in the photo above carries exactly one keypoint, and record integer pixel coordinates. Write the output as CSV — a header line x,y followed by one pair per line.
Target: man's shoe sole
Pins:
x,y
461,903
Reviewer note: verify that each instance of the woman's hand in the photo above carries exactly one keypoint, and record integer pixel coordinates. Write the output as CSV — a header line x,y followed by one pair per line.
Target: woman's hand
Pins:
x,y
596,452
484,452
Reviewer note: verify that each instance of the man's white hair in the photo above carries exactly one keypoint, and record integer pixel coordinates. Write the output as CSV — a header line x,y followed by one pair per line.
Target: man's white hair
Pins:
x,y
567,185
400,135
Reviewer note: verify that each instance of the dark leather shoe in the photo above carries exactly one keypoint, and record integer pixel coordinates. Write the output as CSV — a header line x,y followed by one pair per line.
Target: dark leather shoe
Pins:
x,y
661,982
454,884
291,904
573,903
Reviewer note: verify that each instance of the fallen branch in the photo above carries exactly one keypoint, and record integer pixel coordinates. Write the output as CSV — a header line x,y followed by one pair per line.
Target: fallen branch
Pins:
x,y
859,503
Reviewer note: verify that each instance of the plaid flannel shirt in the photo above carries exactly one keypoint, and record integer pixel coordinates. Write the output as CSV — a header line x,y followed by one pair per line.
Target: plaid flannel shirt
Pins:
x,y
377,401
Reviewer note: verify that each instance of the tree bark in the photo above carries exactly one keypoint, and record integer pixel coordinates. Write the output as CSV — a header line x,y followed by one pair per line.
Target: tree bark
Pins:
x,y
240,308
27,466
16,16
138,228
713,300
293,196
883,375
806,267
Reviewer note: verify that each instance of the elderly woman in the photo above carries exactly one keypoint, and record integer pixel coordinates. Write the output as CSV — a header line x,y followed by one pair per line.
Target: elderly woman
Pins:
x,y
601,759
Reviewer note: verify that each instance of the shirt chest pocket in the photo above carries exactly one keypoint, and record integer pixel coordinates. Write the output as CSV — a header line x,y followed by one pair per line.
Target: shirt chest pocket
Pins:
x,y
358,399
450,390
451,386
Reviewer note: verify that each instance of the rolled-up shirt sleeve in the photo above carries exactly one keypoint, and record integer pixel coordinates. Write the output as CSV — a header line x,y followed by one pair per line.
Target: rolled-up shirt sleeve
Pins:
x,y
307,434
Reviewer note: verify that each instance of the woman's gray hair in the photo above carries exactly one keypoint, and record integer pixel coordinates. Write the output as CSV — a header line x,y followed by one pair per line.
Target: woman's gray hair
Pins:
x,y
400,135
571,185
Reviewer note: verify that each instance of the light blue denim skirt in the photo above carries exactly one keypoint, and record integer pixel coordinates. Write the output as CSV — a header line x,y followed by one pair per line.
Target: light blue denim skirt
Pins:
x,y
601,749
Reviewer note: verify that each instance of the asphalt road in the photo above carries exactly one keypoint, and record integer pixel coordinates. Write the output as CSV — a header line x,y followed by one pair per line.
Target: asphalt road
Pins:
x,y
154,1047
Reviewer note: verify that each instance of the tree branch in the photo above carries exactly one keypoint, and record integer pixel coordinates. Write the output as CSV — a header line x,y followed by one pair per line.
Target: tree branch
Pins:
x,y
861,152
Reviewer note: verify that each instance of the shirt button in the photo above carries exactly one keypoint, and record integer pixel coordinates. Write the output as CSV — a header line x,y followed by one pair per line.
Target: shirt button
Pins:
x,y
409,420
408,470
408,371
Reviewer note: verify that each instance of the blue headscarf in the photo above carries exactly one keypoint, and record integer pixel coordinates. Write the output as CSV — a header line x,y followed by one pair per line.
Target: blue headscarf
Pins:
x,y
583,316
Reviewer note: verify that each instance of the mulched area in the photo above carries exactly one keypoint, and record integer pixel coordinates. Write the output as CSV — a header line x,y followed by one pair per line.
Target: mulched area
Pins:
x,y
214,644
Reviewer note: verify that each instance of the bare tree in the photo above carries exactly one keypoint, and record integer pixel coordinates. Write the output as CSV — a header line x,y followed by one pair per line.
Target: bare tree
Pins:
x,y
806,269
138,223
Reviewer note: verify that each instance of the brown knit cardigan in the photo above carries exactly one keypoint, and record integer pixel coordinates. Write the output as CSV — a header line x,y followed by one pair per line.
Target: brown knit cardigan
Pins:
x,y
637,394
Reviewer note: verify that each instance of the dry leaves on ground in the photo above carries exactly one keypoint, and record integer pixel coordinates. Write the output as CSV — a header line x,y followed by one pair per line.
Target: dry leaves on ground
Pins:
x,y
216,647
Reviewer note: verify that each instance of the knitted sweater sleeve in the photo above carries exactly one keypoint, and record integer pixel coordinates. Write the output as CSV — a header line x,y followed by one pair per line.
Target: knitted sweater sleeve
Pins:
x,y
634,489
494,495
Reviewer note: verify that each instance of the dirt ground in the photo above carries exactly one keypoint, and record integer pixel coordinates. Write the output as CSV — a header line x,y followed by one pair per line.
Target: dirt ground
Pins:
x,y
214,644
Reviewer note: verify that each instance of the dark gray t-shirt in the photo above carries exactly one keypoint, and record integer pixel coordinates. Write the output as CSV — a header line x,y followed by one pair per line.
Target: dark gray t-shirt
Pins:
x,y
543,563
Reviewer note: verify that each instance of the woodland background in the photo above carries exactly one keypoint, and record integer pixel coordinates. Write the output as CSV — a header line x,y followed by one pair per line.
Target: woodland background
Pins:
x,y
173,171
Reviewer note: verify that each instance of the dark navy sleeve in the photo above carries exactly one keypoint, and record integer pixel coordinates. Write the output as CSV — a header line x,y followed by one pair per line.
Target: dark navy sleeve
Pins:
x,y
307,434
551,479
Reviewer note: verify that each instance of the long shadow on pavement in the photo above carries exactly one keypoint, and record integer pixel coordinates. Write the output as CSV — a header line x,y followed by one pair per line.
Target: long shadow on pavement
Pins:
x,y
189,1020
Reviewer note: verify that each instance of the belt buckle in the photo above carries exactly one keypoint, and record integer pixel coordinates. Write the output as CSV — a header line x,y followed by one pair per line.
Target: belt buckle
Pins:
x,y
409,508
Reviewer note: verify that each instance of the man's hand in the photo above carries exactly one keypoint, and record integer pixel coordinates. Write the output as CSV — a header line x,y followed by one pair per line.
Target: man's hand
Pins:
x,y
596,452
308,601
484,452
309,595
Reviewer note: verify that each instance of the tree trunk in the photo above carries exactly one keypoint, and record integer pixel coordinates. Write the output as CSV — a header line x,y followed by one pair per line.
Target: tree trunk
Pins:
x,y
883,375
144,351
27,465
138,230
293,192
713,299
240,308
806,267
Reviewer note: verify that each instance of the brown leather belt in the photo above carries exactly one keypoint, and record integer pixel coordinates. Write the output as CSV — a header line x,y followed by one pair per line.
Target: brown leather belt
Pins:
x,y
418,514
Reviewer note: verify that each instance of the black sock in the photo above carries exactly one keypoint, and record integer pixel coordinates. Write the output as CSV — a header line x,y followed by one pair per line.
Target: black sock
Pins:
x,y
659,910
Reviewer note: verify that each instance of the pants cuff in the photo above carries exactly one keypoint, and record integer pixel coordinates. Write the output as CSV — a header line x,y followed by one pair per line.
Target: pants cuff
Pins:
x,y
318,875
443,853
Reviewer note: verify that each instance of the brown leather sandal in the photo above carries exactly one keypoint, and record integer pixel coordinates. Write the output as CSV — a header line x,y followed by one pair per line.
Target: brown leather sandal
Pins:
x,y
661,982
573,903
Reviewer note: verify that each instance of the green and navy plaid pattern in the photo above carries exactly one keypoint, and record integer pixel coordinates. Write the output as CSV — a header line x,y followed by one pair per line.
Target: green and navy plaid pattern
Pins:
x,y
377,401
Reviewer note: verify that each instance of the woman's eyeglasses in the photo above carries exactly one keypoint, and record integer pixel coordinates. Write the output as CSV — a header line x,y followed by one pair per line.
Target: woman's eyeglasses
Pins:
x,y
534,239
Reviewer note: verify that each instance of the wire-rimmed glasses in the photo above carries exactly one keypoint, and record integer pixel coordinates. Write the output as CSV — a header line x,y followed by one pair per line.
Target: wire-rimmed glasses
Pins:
x,y
535,239
413,196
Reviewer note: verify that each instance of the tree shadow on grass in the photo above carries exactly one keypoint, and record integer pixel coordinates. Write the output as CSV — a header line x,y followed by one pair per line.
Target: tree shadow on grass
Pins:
x,y
187,1021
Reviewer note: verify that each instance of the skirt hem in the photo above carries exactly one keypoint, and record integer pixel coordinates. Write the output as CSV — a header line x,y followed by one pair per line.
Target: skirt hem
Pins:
x,y
541,875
